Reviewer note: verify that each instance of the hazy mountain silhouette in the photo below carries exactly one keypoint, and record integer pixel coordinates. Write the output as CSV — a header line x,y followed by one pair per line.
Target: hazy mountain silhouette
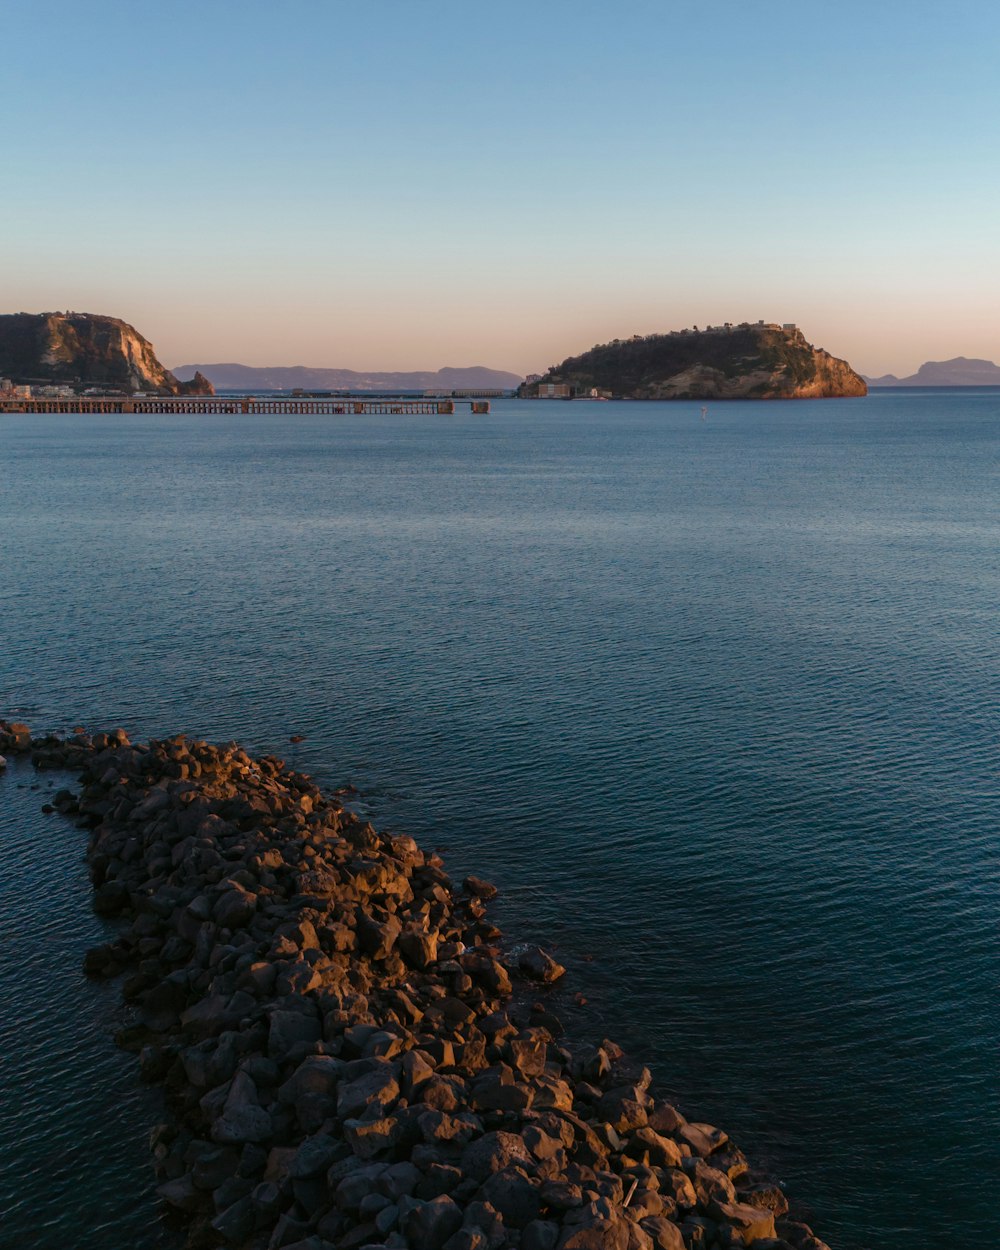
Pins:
x,y
288,377
960,371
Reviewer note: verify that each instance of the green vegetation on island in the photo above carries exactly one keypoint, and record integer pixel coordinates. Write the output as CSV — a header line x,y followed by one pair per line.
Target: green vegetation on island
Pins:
x,y
761,361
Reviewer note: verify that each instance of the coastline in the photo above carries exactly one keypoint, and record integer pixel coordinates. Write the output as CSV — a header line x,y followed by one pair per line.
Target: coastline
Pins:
x,y
349,1057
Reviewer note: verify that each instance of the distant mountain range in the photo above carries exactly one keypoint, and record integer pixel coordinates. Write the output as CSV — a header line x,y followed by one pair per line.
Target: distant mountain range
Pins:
x,y
962,371
236,377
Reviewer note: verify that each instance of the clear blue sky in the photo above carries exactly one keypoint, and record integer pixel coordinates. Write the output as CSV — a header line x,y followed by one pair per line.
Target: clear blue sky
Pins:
x,y
415,183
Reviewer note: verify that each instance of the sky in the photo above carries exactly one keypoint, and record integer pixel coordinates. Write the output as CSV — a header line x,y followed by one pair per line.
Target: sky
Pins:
x,y
409,184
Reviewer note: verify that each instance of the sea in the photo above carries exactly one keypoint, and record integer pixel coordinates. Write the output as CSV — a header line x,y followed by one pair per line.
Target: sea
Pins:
x,y
714,702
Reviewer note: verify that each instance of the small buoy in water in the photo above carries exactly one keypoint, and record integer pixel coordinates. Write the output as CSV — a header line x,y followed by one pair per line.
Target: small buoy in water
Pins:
x,y
297,738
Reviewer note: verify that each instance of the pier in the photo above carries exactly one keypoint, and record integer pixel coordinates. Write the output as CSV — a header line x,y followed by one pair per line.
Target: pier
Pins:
x,y
243,405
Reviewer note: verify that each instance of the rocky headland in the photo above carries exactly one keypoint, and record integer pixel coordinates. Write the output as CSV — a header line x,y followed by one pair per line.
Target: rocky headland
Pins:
x,y
350,1054
86,350
721,362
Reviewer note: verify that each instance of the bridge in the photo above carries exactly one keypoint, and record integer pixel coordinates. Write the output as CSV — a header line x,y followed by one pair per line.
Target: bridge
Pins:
x,y
242,405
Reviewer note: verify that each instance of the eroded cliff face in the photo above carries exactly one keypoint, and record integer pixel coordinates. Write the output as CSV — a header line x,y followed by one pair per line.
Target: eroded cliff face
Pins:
x,y
744,362
85,349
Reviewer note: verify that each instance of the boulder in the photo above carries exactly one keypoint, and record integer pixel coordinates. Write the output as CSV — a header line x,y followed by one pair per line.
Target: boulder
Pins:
x,y
430,1224
513,1196
493,1152
539,965
479,888
749,1223
665,1234
600,1234
378,1086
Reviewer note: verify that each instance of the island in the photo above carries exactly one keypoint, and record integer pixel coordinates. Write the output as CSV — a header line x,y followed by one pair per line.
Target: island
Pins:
x,y
74,353
745,361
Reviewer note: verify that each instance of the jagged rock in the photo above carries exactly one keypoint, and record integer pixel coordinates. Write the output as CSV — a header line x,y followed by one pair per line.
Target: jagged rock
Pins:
x,y
378,1086
539,965
368,1138
513,1196
750,1223
493,1152
702,1138
540,1235
111,898
430,1224
665,1234
479,887
601,1234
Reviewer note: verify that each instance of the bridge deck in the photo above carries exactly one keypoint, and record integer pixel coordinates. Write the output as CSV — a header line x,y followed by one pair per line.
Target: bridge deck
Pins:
x,y
249,405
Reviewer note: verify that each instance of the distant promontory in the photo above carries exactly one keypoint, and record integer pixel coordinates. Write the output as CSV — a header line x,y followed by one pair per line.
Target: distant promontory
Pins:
x,y
959,371
745,361
84,351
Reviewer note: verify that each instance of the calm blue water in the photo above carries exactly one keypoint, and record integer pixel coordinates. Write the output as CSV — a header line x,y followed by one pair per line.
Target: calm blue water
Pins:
x,y
715,704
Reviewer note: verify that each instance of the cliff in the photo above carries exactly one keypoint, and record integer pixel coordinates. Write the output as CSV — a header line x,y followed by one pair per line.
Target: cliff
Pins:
x,y
84,350
734,362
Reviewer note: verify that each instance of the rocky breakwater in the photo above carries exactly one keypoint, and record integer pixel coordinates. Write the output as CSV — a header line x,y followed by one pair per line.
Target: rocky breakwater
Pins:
x,y
349,1057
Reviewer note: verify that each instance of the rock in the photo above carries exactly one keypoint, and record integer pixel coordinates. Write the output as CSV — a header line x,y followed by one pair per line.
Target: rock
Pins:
x,y
623,1108
602,1234
708,1182
418,946
430,1224
378,937
539,965
702,1138
511,1194
368,1138
480,888
290,1031
664,1233
750,1223
767,1197
493,1152
315,1156
110,899
677,1186
496,1090
540,1235
236,1222
181,1194
17,736
379,1086
243,1119
662,1152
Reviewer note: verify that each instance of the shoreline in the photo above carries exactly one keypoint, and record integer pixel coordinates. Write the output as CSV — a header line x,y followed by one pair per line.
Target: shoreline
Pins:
x,y
349,1058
